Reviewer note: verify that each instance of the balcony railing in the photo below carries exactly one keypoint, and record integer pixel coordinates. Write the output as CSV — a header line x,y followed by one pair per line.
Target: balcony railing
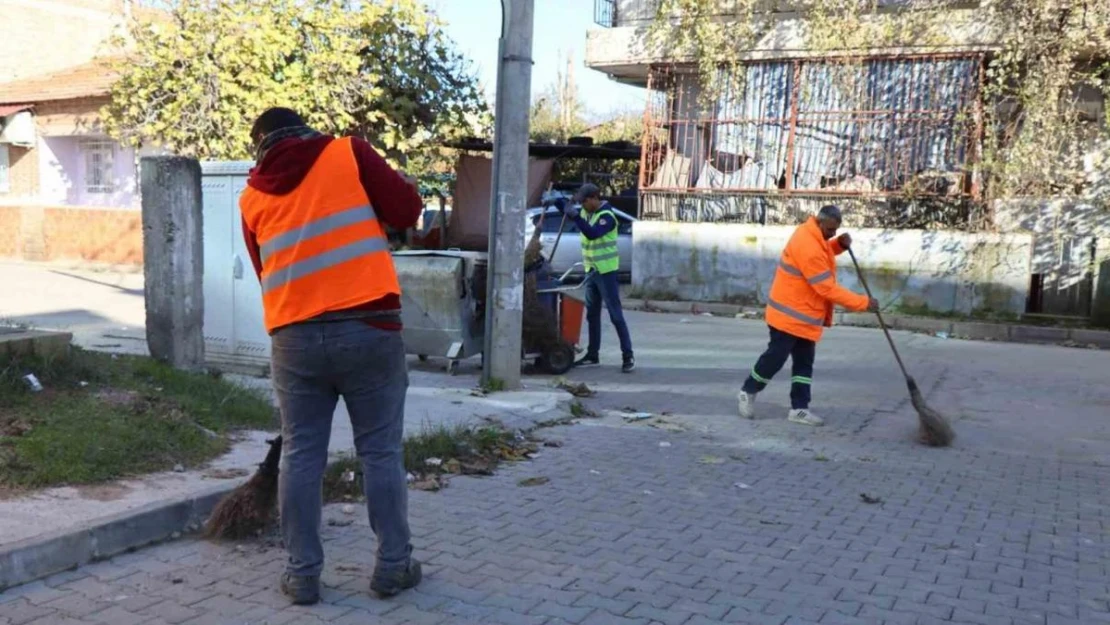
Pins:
x,y
605,13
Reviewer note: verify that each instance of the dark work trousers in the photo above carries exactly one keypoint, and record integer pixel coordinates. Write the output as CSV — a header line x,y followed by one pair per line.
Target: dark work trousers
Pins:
x,y
782,346
604,288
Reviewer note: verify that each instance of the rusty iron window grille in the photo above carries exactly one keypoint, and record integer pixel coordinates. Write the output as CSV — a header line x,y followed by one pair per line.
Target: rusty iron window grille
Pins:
x,y
874,127
605,13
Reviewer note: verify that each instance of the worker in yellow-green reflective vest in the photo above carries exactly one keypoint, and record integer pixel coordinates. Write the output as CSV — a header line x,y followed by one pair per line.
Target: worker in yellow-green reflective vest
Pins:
x,y
598,228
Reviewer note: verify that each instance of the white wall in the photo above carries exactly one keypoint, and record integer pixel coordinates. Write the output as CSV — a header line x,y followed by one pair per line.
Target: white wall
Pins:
x,y
62,170
944,271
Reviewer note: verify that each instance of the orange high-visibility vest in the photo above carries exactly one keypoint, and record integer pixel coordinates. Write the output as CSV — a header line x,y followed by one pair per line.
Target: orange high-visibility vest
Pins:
x,y
805,289
322,246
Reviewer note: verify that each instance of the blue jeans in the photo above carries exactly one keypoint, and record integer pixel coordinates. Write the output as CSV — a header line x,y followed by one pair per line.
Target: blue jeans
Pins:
x,y
604,288
313,365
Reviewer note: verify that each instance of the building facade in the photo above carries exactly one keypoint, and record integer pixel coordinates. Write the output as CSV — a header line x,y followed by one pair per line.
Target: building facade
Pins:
x,y
68,192
894,135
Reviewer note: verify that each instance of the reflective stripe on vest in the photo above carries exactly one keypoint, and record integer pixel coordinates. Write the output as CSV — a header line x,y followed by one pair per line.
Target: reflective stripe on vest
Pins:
x,y
601,254
790,269
312,264
790,312
316,228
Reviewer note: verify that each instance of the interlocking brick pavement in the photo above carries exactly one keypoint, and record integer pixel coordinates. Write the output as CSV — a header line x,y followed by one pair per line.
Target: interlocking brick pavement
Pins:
x,y
629,532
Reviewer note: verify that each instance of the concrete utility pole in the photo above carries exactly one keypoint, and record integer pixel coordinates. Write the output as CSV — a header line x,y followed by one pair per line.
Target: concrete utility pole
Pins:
x,y
505,297
173,260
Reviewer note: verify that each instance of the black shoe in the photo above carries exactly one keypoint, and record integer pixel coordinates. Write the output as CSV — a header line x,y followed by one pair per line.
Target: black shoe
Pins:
x,y
301,590
629,365
386,585
588,361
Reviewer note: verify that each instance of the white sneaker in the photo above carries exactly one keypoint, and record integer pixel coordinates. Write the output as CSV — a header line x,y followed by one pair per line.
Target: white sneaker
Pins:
x,y
805,417
746,404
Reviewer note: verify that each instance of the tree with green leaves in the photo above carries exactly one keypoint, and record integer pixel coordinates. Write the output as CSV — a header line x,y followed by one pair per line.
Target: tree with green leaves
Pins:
x,y
1043,56
193,80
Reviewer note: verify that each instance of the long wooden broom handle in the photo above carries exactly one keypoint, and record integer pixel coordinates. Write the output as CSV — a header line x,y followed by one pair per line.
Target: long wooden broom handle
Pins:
x,y
882,324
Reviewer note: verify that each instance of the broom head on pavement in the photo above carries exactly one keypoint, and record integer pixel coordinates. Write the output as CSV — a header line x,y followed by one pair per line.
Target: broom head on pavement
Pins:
x,y
934,428
247,510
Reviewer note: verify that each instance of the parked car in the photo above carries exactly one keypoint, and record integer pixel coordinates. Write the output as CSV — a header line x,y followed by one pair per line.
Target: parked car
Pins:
x,y
569,251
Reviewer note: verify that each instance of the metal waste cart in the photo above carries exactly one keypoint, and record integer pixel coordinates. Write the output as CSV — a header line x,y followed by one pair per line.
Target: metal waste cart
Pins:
x,y
442,303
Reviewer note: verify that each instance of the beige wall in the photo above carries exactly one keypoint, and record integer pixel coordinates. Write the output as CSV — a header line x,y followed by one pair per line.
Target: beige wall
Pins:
x,y
43,36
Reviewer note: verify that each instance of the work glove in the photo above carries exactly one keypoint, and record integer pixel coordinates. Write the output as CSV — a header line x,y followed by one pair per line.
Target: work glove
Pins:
x,y
845,241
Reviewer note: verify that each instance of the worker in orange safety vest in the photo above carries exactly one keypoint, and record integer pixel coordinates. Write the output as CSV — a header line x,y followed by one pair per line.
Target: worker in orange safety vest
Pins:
x,y
315,212
799,307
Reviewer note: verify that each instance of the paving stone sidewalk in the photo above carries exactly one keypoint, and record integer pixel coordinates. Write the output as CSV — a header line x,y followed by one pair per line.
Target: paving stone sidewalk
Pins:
x,y
640,526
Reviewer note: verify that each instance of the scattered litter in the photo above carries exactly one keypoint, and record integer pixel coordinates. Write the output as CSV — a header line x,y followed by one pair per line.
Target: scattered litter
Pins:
x,y
224,474
178,468
429,484
821,458
868,499
175,535
348,476
629,409
33,383
941,335
648,492
340,522
595,472
533,481
532,456
866,459
684,320
664,444
410,478
434,462
206,431
762,522
578,390
177,580
555,444
347,568
637,416
711,460
707,314
738,458
667,425
82,384
348,509
741,486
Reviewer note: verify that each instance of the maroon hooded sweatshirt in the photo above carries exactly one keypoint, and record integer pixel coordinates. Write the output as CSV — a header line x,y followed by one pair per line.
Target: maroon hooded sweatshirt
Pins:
x,y
396,202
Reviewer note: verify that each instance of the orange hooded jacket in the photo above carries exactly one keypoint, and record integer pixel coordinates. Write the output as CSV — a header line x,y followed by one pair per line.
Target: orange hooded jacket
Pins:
x,y
805,288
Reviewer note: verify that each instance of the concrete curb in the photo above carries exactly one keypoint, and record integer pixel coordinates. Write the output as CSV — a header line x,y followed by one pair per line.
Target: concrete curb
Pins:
x,y
39,557
974,330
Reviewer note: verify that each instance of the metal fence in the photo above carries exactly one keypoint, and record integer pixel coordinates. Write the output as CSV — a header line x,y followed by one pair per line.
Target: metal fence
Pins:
x,y
605,13
901,134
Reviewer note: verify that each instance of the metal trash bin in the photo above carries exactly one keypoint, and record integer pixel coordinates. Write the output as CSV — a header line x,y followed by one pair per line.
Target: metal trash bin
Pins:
x,y
443,297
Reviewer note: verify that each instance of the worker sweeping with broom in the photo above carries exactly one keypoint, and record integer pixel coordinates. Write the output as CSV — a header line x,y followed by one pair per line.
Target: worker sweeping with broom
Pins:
x,y
800,306
314,216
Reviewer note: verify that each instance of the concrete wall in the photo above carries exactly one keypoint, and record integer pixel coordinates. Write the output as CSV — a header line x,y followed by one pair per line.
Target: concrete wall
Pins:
x,y
624,53
43,36
1071,242
941,271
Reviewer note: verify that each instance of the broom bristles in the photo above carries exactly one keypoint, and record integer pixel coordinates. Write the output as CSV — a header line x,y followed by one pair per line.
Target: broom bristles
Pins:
x,y
934,429
248,509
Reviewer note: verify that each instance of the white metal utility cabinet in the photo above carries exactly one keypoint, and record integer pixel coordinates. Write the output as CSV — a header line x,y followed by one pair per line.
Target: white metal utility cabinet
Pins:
x,y
235,336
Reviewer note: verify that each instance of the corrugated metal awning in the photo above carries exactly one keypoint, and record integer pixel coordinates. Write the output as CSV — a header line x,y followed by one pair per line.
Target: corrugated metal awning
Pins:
x,y
12,109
